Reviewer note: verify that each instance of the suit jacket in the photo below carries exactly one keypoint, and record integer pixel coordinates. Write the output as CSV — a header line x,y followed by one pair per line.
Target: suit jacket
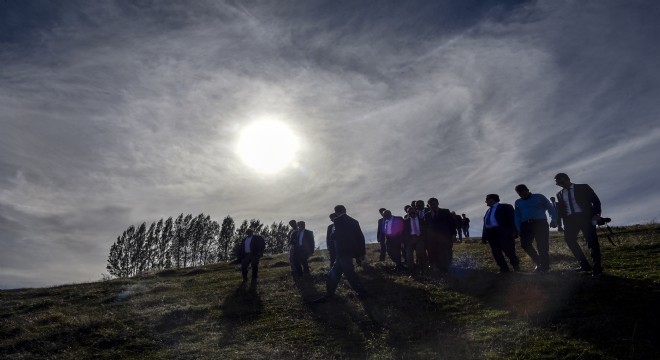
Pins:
x,y
329,241
585,197
349,239
505,217
440,225
257,246
408,228
307,242
380,235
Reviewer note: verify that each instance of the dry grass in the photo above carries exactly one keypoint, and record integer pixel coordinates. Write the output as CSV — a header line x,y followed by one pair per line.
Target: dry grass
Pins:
x,y
470,314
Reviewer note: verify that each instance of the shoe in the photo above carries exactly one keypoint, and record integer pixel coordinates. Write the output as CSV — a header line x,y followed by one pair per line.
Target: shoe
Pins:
x,y
322,299
503,271
582,269
597,272
516,268
244,280
540,270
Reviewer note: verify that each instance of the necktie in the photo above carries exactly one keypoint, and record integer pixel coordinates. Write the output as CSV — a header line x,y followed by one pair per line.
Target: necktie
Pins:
x,y
488,217
570,201
300,237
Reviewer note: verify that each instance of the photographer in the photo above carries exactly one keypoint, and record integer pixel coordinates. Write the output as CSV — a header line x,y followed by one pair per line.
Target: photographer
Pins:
x,y
579,209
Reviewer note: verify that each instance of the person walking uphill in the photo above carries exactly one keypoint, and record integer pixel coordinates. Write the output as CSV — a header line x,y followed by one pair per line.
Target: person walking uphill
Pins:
x,y
250,251
302,245
500,233
532,224
579,209
349,245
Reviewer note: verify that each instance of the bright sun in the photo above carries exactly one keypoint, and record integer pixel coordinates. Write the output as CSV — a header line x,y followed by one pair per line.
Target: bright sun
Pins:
x,y
267,146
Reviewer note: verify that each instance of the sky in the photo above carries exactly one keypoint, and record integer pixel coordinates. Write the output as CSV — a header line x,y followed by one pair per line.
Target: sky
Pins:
x,y
114,113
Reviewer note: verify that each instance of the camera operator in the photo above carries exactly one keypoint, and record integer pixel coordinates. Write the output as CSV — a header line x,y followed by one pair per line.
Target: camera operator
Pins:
x,y
579,209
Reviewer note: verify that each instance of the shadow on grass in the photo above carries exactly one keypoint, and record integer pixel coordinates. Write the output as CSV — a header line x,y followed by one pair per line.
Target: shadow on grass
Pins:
x,y
243,305
618,315
397,319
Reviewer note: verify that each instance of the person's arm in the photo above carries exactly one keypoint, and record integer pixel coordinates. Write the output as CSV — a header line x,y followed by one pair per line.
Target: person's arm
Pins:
x,y
517,217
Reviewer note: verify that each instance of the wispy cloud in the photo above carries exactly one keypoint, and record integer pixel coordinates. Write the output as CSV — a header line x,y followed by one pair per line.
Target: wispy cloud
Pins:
x,y
118,113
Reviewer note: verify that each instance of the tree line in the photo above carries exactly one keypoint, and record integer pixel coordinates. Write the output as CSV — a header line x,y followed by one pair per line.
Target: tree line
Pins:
x,y
187,241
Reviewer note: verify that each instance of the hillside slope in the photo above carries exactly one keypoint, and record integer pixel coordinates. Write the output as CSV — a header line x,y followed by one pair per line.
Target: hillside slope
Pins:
x,y
474,313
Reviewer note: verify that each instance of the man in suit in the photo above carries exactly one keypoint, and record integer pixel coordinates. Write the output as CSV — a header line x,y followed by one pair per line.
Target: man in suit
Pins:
x,y
380,235
579,209
292,256
350,244
330,242
414,241
500,232
440,235
393,230
249,252
302,243
459,225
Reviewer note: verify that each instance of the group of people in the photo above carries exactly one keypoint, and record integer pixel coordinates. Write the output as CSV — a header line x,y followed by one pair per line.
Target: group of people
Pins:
x,y
423,238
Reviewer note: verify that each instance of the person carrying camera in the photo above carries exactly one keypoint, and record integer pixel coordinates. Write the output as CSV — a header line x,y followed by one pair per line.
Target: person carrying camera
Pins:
x,y
579,209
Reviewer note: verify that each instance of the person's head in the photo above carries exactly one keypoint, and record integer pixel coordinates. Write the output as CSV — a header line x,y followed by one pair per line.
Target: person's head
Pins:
x,y
492,199
552,199
463,215
406,208
433,203
249,232
419,204
563,180
453,212
387,214
293,224
340,210
381,211
301,225
333,216
412,212
523,191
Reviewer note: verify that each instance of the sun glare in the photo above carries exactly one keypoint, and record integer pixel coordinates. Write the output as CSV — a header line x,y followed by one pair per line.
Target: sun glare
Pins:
x,y
267,146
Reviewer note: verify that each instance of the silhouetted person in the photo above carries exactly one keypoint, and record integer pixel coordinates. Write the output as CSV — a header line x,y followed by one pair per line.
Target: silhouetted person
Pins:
x,y
249,252
294,227
329,240
440,235
414,242
380,235
350,244
579,209
302,243
532,224
458,222
500,232
466,226
393,229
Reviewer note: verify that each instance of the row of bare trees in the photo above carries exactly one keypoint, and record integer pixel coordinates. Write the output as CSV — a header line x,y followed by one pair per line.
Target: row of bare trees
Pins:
x,y
186,241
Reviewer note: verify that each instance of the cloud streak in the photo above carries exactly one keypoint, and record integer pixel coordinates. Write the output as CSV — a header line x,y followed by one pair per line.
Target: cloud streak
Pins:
x,y
124,112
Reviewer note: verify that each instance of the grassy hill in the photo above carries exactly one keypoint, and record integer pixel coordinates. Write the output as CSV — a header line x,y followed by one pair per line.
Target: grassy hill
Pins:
x,y
472,313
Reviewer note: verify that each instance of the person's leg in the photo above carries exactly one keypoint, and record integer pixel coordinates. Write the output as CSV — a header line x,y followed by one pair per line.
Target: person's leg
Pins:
x,y
351,276
542,235
420,249
571,229
496,249
508,245
526,238
589,231
383,250
244,266
410,249
255,267
334,276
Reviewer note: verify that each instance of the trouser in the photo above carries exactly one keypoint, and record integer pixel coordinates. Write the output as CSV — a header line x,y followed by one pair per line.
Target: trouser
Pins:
x,y
394,249
575,223
466,231
501,243
440,249
536,230
460,234
343,265
299,265
383,250
415,244
246,261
